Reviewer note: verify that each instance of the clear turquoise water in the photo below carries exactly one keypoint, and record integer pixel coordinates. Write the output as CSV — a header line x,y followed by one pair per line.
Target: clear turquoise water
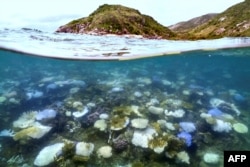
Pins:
x,y
204,75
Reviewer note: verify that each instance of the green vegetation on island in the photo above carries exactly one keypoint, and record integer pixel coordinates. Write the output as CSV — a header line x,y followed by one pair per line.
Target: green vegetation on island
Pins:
x,y
185,26
233,22
120,20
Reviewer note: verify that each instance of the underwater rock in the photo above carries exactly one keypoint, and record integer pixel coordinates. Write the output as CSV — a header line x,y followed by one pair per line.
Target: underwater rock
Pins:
x,y
46,114
119,144
91,117
47,155
104,152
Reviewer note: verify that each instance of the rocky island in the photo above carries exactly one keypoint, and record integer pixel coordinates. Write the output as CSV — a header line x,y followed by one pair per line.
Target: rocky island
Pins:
x,y
233,22
119,20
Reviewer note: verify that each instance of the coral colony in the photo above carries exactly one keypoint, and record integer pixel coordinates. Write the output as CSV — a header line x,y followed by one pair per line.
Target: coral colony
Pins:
x,y
186,137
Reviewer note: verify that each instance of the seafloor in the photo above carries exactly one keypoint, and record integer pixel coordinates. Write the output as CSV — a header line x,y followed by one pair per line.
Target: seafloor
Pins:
x,y
165,111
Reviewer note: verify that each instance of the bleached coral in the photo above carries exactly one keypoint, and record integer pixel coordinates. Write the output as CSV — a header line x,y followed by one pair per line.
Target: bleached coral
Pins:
x,y
7,133
46,114
152,102
47,155
118,122
183,157
222,126
155,110
27,119
142,137
84,149
2,99
78,114
138,94
175,103
187,126
139,123
158,143
100,124
135,109
170,126
216,103
104,152
177,113
240,128
211,158
116,89
36,132
15,160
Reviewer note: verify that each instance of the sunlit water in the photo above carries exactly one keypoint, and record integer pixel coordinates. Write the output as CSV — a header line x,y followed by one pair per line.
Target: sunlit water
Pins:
x,y
114,91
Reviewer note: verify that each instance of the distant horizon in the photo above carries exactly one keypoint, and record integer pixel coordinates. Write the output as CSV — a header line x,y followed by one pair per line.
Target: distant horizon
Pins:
x,y
48,16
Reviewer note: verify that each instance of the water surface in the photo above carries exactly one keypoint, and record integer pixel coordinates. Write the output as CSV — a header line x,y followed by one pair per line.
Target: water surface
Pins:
x,y
151,88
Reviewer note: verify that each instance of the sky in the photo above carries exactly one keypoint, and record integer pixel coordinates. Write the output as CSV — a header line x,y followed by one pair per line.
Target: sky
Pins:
x,y
48,15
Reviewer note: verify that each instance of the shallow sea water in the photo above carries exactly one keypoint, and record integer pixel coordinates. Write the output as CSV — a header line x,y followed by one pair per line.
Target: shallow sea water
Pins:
x,y
193,82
